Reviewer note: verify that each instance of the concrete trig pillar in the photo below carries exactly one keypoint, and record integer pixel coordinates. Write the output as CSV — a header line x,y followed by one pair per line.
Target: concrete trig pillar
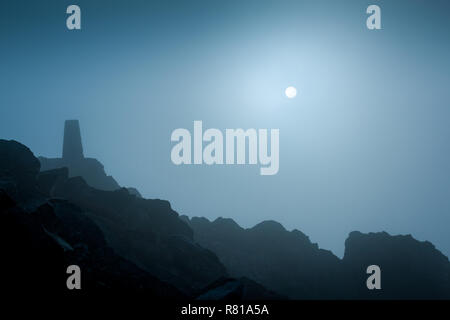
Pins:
x,y
72,146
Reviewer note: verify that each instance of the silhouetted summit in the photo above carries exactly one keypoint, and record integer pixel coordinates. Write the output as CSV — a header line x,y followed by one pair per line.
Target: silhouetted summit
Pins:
x,y
73,158
146,233
123,241
120,240
18,170
411,269
269,226
288,263
52,234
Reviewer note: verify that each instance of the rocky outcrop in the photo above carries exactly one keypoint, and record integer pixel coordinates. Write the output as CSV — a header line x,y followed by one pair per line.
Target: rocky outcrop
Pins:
x,y
146,234
46,180
73,159
49,220
90,169
18,170
39,242
37,247
242,289
410,269
286,262
134,191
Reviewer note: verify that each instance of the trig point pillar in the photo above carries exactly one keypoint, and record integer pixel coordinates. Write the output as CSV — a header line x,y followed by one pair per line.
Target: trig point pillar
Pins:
x,y
72,147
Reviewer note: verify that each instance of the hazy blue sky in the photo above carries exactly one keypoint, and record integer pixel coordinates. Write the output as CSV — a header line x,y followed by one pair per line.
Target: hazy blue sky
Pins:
x,y
364,146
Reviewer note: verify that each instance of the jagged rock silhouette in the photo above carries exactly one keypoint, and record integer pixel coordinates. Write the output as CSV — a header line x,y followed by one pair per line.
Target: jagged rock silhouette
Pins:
x,y
288,263
144,240
147,232
122,241
39,242
73,158
411,269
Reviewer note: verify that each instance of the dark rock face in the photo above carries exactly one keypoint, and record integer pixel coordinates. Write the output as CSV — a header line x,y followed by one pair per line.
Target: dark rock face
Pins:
x,y
47,179
147,232
49,220
223,289
18,169
17,162
286,262
31,260
290,264
57,233
37,247
410,269
242,289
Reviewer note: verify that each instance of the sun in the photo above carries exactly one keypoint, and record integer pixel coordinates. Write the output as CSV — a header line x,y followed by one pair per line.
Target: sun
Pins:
x,y
290,92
